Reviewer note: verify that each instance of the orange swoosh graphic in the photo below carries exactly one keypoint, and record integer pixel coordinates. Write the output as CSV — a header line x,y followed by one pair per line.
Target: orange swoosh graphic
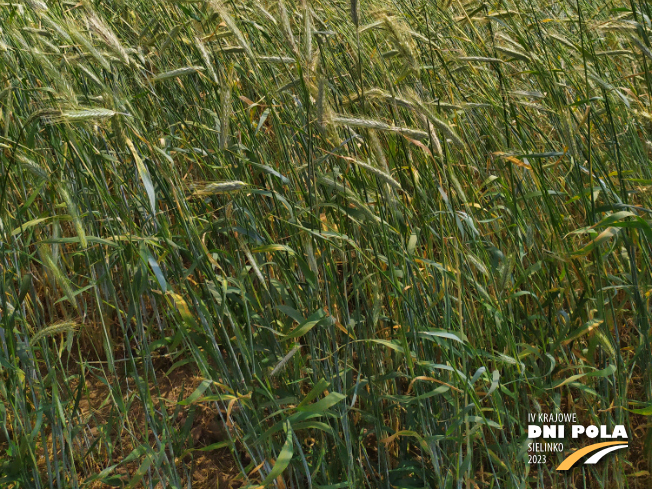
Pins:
x,y
574,457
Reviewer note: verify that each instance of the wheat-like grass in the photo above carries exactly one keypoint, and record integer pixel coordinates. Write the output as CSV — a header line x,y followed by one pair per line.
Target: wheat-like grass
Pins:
x,y
109,37
377,173
513,53
378,126
287,29
54,329
365,238
186,70
88,46
277,59
218,7
481,59
215,188
284,361
206,58
83,115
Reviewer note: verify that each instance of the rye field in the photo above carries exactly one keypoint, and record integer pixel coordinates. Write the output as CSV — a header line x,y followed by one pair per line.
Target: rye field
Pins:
x,y
322,244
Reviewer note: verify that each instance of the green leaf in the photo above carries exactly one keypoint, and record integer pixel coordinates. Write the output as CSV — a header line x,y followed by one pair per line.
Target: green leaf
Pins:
x,y
293,313
494,382
273,247
198,392
605,372
142,470
435,392
177,364
261,121
283,459
613,218
135,454
313,425
144,176
76,239
302,329
389,344
646,411
33,223
319,387
441,334
477,375
211,447
32,197
158,273
102,476
480,419
324,404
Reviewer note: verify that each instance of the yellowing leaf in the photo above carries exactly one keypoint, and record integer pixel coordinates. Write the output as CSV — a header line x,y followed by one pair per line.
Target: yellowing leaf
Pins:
x,y
273,247
587,328
603,237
